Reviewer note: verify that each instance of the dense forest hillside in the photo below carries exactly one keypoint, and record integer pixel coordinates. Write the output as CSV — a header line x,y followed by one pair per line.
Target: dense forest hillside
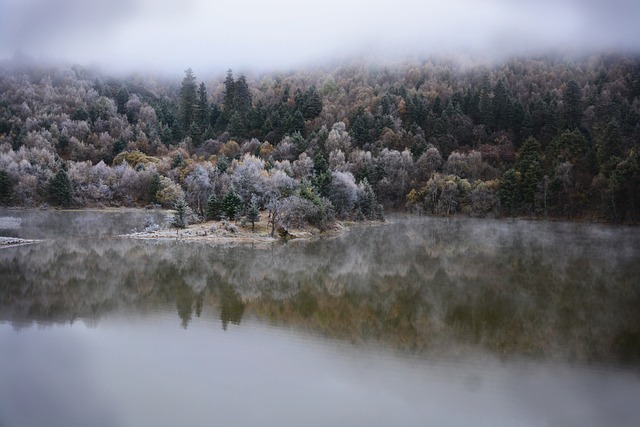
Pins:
x,y
541,137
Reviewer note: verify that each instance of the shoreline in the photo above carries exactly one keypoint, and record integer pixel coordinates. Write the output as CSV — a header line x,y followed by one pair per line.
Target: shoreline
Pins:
x,y
232,232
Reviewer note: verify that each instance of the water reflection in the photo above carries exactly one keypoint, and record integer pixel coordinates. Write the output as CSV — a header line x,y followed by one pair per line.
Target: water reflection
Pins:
x,y
417,285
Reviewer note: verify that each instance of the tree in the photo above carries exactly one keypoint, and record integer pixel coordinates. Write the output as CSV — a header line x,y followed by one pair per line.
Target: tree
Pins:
x,y
202,113
229,94
187,102
154,187
6,188
253,213
530,168
343,193
509,192
213,209
121,99
232,204
242,96
312,105
571,97
366,202
60,191
180,216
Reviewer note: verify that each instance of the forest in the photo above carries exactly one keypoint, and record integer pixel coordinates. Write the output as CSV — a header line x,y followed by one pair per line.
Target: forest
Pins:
x,y
539,137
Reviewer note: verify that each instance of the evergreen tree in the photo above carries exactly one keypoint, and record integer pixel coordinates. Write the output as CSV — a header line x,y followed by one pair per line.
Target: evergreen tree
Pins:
x,y
509,192
212,210
121,99
154,187
232,204
366,202
571,97
6,188
188,98
180,215
229,94
530,168
60,191
203,110
309,103
242,96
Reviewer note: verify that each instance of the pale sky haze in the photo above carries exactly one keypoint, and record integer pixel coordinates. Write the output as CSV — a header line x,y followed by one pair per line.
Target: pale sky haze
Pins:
x,y
171,35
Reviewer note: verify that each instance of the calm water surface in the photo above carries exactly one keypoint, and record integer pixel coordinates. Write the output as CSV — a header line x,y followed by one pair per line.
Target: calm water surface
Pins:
x,y
422,321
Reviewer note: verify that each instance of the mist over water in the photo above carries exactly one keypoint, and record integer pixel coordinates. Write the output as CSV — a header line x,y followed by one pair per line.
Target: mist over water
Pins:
x,y
454,320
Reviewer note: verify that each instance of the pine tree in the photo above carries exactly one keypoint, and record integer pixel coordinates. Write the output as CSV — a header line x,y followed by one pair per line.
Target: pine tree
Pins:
x,y
121,99
571,97
188,98
203,110
509,192
229,94
242,96
60,191
213,208
312,104
232,204
154,187
180,215
6,188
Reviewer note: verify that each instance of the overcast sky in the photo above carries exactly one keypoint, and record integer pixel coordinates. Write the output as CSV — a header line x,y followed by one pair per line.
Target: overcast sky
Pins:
x,y
211,35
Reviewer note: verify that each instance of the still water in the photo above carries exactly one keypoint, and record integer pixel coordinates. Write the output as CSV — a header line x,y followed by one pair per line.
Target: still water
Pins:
x,y
418,322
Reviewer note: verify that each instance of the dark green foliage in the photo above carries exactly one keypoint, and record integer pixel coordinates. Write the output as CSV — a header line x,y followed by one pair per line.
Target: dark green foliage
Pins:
x,y
571,97
530,168
238,106
367,204
361,127
242,96
309,103
202,120
188,98
119,146
6,189
121,99
229,94
223,163
213,208
180,216
154,187
509,193
232,204
60,191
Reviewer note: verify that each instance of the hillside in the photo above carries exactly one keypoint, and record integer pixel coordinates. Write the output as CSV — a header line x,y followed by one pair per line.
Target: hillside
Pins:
x,y
542,137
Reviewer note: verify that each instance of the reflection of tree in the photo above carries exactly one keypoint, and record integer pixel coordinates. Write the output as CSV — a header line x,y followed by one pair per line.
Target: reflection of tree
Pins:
x,y
231,306
184,302
419,285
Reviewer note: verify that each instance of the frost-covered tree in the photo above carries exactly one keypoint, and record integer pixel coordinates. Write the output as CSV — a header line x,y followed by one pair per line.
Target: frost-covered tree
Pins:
x,y
343,193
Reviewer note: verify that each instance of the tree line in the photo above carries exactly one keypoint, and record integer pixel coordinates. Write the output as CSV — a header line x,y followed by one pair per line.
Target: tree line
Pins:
x,y
542,137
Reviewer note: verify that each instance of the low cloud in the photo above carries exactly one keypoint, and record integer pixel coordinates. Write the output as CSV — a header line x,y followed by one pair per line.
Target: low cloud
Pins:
x,y
171,35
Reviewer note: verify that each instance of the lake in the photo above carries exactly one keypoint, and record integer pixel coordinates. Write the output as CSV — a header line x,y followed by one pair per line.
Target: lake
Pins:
x,y
418,322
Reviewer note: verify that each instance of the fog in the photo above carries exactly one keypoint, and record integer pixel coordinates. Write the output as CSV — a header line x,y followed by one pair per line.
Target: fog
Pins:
x,y
170,36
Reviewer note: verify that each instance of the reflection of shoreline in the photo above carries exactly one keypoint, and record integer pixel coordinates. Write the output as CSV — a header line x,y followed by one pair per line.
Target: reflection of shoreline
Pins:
x,y
10,242
418,285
